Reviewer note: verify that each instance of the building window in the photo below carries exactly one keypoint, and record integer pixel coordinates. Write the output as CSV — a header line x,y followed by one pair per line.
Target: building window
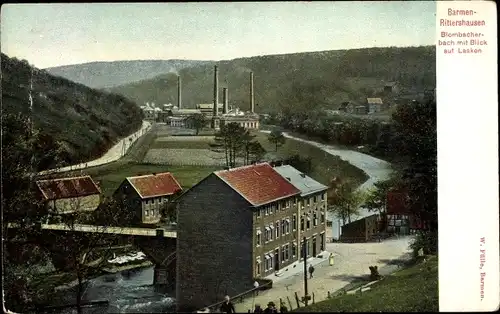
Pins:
x,y
287,252
294,222
308,222
322,218
147,202
268,262
267,210
283,254
271,209
322,196
257,267
315,219
283,226
294,201
258,212
315,199
258,240
308,201
287,229
153,201
302,224
146,213
271,232
268,234
294,249
277,229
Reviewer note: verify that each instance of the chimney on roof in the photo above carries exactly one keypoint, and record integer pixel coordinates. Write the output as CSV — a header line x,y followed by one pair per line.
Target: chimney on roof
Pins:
x,y
225,100
179,88
252,107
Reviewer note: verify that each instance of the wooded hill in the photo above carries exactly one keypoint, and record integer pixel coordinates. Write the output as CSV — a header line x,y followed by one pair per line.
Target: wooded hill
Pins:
x,y
306,79
115,73
85,122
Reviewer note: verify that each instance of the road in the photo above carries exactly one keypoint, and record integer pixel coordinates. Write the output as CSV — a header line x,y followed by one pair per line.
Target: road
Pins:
x,y
352,260
376,169
113,154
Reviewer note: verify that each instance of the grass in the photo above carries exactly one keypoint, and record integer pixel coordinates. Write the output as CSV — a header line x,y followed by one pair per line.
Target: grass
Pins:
x,y
181,145
414,289
325,166
111,176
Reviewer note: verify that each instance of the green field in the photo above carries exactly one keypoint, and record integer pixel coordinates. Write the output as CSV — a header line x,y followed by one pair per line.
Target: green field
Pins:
x,y
181,144
414,289
110,176
325,166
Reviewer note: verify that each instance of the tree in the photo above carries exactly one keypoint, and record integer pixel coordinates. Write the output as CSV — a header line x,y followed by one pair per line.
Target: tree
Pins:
x,y
277,138
344,201
197,121
229,139
376,197
256,151
25,151
416,134
87,252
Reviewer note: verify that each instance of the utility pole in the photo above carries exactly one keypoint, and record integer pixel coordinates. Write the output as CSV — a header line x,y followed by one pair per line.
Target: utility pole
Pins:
x,y
304,254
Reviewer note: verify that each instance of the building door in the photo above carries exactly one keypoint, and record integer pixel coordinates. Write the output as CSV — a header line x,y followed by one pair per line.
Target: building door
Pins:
x,y
322,242
314,246
277,259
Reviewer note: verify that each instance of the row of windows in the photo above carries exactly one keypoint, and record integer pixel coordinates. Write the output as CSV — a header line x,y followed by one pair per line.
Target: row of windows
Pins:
x,y
282,205
273,231
284,254
152,212
152,200
305,220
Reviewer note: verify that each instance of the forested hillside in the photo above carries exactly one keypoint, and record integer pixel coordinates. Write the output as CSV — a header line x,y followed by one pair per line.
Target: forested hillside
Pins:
x,y
304,79
84,123
114,73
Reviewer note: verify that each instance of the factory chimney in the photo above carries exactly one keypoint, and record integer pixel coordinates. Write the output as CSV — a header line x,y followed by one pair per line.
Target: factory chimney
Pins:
x,y
225,100
179,88
216,92
252,107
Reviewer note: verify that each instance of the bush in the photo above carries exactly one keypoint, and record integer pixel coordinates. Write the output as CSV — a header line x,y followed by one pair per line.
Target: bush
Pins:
x,y
425,240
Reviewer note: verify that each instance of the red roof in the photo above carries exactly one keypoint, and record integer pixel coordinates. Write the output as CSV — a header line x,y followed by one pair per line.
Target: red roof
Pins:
x,y
53,189
397,203
152,185
258,184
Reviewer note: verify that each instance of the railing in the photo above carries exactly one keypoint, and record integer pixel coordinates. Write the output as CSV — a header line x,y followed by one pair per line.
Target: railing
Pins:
x,y
263,285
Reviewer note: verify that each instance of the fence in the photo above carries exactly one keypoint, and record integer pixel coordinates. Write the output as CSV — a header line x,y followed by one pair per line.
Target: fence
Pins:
x,y
263,285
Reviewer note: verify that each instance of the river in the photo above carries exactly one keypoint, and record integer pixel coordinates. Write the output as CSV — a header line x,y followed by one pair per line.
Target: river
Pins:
x,y
132,292
127,292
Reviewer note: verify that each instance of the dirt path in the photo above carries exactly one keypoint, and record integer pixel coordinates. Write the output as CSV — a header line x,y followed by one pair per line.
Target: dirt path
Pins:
x,y
113,154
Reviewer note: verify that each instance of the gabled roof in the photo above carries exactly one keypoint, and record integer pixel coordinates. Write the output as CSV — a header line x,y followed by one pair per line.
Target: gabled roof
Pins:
x,y
151,185
54,189
259,184
377,101
301,181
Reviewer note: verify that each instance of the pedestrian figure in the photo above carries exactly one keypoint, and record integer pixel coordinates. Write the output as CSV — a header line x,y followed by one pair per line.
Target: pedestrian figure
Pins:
x,y
256,285
311,271
227,306
283,308
270,308
258,309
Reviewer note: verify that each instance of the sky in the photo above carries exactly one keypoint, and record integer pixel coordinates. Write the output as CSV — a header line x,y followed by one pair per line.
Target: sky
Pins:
x,y
50,35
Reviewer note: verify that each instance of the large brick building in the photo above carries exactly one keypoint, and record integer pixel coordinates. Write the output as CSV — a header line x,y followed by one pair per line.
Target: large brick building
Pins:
x,y
240,224
310,218
147,195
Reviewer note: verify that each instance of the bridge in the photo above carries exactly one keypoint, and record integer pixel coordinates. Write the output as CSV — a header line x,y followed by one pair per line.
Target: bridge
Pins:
x,y
158,244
